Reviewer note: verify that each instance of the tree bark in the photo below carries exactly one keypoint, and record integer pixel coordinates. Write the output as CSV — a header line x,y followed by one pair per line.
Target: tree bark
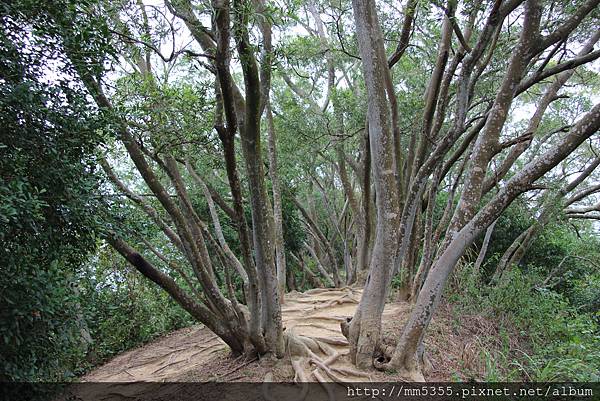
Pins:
x,y
277,211
404,357
484,248
262,219
365,327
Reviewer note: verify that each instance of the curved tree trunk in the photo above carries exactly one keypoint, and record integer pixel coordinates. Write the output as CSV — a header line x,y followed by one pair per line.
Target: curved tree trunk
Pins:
x,y
484,248
404,357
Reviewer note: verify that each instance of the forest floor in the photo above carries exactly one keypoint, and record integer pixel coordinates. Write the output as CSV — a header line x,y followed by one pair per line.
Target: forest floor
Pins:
x,y
456,346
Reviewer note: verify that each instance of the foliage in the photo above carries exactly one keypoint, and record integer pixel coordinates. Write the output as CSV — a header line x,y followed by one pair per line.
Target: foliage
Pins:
x,y
48,210
123,309
60,308
556,340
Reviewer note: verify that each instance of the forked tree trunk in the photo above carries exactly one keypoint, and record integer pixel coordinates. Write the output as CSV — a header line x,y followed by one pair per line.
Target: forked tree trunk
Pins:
x,y
229,330
404,357
262,219
487,142
230,104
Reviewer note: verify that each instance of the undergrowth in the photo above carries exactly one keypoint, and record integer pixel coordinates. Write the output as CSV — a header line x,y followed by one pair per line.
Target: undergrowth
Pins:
x,y
543,335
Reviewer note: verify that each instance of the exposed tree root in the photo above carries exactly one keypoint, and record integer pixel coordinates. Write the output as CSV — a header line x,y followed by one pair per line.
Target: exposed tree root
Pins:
x,y
344,299
293,310
331,371
308,365
167,364
314,344
299,375
307,300
318,305
316,326
328,318
384,350
320,291
332,341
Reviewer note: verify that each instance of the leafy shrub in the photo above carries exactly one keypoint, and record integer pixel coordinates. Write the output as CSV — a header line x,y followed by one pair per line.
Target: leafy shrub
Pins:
x,y
562,341
40,332
124,309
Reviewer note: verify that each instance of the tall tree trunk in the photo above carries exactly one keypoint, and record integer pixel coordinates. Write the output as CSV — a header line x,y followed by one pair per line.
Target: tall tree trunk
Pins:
x,y
364,247
262,219
233,110
277,212
404,357
365,327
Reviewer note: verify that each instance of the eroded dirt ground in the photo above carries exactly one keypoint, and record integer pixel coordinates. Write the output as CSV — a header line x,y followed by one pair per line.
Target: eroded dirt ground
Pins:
x,y
196,354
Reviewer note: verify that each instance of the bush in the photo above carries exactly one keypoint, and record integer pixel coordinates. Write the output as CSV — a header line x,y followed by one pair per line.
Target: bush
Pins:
x,y
562,342
40,333
124,309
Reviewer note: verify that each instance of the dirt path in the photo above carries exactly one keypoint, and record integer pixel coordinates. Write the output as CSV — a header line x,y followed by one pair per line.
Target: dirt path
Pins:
x,y
161,360
313,316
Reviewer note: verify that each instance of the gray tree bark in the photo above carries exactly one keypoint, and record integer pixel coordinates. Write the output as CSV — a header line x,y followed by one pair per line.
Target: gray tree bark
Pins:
x,y
365,327
404,357
277,211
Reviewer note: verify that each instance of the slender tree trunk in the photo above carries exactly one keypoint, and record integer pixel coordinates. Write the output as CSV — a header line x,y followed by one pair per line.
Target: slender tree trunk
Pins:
x,y
323,241
408,270
277,212
484,248
308,274
365,327
328,280
290,279
404,357
364,247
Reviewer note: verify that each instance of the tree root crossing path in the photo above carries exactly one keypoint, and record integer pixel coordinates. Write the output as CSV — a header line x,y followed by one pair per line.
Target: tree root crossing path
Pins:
x,y
315,346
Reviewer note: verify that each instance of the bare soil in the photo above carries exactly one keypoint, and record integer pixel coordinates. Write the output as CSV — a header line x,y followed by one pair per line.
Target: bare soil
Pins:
x,y
456,347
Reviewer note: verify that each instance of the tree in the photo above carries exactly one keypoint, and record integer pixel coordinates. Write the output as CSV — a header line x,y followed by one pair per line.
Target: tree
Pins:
x,y
385,193
366,324
470,219
258,328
